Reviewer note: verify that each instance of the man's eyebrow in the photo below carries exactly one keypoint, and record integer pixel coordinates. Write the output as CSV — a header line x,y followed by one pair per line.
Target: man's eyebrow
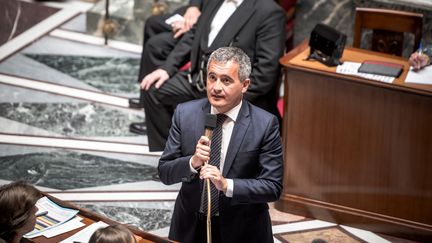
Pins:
x,y
227,77
220,76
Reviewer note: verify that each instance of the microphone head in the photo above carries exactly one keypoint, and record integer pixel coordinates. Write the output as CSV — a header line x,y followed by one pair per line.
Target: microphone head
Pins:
x,y
210,121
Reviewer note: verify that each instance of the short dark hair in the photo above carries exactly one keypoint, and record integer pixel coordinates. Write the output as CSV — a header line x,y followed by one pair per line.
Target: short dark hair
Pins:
x,y
113,234
226,54
17,200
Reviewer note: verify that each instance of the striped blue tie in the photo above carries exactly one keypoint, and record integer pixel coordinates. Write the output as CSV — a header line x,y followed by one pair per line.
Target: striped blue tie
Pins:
x,y
215,156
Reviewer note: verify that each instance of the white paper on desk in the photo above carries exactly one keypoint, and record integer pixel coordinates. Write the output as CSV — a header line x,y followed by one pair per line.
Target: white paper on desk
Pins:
x,y
56,216
174,18
70,225
422,76
351,68
85,234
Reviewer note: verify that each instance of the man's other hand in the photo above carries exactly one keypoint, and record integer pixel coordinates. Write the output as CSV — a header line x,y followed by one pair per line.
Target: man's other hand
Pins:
x,y
158,76
214,174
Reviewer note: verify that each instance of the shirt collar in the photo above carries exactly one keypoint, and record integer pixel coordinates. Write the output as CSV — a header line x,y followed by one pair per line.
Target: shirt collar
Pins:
x,y
232,114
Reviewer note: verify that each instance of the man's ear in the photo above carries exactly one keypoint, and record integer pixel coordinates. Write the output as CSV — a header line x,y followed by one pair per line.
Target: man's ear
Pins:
x,y
246,84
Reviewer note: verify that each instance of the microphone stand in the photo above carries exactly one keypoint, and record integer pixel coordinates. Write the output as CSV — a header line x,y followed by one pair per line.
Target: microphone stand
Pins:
x,y
208,133
106,20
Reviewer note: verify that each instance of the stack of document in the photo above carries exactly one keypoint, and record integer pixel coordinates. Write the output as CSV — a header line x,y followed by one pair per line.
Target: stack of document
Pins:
x,y
55,221
351,68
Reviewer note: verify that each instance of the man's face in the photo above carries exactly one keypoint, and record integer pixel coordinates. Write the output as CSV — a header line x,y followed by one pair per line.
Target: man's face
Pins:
x,y
224,89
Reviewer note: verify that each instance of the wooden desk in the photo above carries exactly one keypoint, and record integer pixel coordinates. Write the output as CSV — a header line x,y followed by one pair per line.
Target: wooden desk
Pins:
x,y
89,218
357,152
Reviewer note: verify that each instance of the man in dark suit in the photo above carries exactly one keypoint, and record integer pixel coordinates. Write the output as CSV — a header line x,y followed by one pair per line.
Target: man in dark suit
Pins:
x,y
255,26
251,165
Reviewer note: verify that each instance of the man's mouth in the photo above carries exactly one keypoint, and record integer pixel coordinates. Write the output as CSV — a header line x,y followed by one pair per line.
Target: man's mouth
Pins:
x,y
217,96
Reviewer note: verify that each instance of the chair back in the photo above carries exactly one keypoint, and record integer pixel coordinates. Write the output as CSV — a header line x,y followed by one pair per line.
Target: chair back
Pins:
x,y
388,27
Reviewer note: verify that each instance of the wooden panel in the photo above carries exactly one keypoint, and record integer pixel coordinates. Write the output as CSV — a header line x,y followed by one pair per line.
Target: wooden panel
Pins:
x,y
357,152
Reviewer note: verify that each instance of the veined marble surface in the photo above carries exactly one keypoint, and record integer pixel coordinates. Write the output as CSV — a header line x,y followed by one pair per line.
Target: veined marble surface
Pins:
x,y
72,119
146,216
49,45
14,150
11,94
65,169
82,66
110,75
90,67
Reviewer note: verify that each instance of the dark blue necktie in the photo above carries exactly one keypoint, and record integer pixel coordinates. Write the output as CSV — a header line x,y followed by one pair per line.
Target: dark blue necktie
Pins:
x,y
215,157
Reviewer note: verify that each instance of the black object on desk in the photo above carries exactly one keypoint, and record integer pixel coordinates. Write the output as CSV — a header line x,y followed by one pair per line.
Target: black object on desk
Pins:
x,y
381,68
326,45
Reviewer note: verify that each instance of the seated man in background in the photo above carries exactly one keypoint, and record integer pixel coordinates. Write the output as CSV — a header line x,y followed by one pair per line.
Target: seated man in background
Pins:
x,y
170,34
255,26
245,168
17,210
421,58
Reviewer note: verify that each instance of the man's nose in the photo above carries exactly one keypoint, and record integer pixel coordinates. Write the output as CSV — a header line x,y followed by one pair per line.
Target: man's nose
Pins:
x,y
218,85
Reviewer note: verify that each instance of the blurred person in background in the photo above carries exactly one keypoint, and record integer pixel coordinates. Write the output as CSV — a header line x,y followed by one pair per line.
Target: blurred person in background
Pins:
x,y
18,210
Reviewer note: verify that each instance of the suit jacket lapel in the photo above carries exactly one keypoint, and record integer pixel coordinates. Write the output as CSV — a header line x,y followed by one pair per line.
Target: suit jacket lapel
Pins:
x,y
234,24
238,134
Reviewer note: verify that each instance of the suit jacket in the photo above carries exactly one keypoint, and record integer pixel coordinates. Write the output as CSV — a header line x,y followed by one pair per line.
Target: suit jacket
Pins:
x,y
257,27
253,160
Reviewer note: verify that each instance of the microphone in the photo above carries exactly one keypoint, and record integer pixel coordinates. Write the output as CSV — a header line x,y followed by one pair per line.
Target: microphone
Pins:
x,y
210,124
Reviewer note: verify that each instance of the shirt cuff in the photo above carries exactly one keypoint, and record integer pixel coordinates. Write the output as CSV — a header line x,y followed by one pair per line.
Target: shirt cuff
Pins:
x,y
230,188
192,169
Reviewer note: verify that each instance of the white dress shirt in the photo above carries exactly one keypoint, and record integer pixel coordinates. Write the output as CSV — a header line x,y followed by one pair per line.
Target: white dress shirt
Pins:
x,y
227,129
225,11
